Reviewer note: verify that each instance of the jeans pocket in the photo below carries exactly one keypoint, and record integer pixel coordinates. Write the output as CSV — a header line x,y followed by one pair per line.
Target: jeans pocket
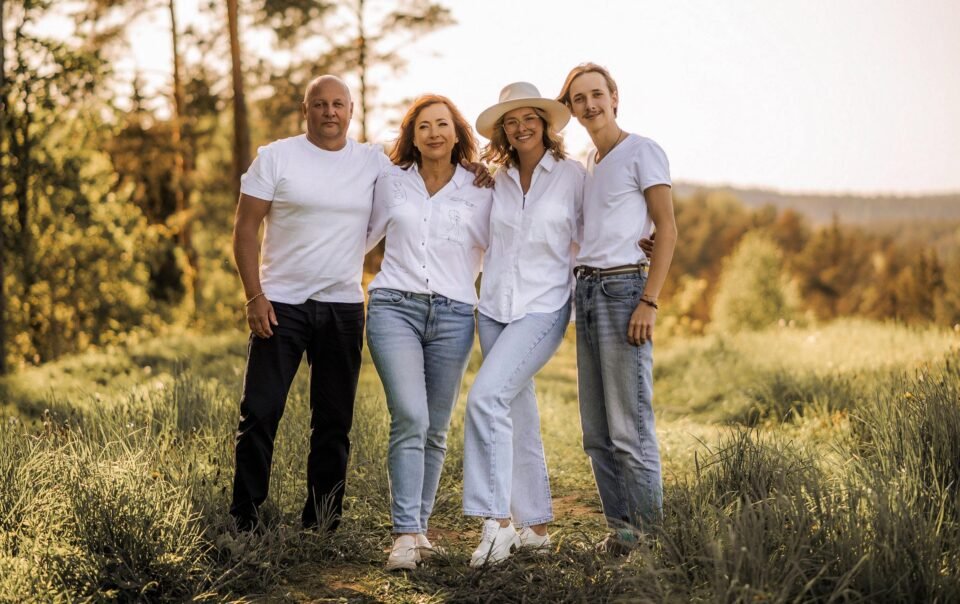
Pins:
x,y
621,289
386,296
459,308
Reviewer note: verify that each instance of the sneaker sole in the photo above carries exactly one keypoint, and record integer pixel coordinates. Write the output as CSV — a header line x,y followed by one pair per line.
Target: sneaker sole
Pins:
x,y
486,559
400,566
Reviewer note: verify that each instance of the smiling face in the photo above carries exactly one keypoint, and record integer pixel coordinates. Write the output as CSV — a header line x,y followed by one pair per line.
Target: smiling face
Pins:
x,y
524,130
592,102
434,134
327,109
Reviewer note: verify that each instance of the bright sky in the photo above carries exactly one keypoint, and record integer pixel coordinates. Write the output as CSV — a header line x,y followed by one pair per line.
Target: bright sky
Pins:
x,y
819,95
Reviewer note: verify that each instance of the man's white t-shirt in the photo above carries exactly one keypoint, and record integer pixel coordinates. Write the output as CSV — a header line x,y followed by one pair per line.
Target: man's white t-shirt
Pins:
x,y
313,241
615,214
434,244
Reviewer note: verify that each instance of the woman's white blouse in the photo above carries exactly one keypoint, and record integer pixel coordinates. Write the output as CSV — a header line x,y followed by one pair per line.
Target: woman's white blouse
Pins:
x,y
434,244
528,266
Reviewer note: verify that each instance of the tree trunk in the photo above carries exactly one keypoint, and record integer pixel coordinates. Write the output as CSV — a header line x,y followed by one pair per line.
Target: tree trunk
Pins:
x,y
4,177
362,68
19,137
241,127
181,175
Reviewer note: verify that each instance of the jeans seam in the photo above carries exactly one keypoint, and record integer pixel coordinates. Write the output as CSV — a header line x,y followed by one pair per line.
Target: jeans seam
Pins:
x,y
535,521
486,514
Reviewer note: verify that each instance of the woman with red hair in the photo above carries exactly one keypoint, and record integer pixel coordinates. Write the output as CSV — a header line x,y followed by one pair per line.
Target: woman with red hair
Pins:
x,y
420,322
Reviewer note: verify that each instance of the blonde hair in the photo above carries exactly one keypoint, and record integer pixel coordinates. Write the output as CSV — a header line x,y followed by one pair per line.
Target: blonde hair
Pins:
x,y
578,71
500,153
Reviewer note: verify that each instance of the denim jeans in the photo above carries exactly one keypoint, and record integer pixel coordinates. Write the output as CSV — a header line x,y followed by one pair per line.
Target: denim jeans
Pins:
x,y
615,380
420,344
504,470
331,335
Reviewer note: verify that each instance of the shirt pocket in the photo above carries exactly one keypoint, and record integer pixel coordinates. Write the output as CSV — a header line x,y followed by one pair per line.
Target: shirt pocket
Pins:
x,y
551,230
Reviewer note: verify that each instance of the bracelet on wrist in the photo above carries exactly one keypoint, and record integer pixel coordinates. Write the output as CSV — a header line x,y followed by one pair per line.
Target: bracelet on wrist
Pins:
x,y
254,298
650,303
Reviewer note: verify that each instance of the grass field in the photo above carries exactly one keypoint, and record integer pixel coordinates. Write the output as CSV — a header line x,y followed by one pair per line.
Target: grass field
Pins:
x,y
820,464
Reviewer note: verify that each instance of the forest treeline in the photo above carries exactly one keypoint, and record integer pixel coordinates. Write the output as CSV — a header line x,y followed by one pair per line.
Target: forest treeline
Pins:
x,y
866,210
117,201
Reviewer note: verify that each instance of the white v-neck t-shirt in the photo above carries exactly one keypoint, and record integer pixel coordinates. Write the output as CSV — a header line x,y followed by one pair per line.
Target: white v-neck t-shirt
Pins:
x,y
615,215
434,244
320,201
528,266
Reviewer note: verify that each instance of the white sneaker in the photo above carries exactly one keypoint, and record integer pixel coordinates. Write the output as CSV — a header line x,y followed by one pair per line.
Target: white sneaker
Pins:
x,y
496,544
427,549
529,540
404,555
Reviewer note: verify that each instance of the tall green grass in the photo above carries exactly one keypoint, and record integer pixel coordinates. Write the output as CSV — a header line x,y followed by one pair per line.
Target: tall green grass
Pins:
x,y
119,491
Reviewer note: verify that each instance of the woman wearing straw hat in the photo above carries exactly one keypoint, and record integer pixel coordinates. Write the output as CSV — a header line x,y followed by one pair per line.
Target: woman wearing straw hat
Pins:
x,y
626,194
524,310
421,323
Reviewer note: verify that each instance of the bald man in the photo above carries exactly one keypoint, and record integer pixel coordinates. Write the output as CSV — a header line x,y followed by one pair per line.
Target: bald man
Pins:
x,y
302,285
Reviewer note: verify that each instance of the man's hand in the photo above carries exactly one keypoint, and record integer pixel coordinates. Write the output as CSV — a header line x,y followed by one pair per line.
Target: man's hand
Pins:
x,y
483,178
260,317
640,328
647,245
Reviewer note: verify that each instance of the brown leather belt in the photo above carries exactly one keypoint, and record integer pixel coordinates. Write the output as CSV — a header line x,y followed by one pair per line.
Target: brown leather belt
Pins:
x,y
585,272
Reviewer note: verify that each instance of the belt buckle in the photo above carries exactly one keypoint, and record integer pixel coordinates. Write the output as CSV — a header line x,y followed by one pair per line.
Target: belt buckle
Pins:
x,y
584,272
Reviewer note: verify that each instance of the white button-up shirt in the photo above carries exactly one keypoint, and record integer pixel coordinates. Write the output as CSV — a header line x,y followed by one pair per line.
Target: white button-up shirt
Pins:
x,y
533,240
434,244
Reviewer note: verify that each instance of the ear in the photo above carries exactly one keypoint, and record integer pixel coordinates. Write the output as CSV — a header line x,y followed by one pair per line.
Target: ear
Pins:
x,y
303,108
615,99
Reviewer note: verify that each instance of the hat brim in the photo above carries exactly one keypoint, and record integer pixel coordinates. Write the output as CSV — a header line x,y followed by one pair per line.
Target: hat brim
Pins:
x,y
557,114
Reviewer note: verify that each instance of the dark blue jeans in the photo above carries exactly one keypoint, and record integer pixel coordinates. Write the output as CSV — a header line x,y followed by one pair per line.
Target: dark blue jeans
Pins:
x,y
331,335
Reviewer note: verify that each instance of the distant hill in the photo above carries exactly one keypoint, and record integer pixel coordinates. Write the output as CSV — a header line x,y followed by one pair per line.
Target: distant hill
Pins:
x,y
849,209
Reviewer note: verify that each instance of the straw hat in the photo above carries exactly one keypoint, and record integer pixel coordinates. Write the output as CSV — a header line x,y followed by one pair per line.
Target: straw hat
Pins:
x,y
523,94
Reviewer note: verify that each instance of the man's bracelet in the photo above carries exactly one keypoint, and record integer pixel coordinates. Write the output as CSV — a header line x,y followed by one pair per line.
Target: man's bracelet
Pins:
x,y
650,303
254,298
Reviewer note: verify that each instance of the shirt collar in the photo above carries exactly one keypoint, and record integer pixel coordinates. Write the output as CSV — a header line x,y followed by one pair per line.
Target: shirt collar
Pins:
x,y
547,162
460,176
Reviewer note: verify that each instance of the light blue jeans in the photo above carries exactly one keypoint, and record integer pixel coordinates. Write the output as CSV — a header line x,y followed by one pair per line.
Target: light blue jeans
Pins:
x,y
420,345
504,470
615,380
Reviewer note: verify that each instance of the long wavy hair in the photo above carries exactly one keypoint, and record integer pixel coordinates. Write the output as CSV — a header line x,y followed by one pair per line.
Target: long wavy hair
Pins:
x,y
578,71
499,151
404,153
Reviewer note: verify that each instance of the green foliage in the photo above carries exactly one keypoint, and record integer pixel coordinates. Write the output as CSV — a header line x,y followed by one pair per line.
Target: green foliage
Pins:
x,y
74,257
786,373
753,292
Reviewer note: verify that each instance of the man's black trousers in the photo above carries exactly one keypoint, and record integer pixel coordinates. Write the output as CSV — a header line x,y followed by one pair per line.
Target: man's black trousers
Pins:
x,y
331,334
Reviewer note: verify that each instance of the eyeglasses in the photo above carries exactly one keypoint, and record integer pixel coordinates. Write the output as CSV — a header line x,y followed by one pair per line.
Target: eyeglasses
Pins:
x,y
511,124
